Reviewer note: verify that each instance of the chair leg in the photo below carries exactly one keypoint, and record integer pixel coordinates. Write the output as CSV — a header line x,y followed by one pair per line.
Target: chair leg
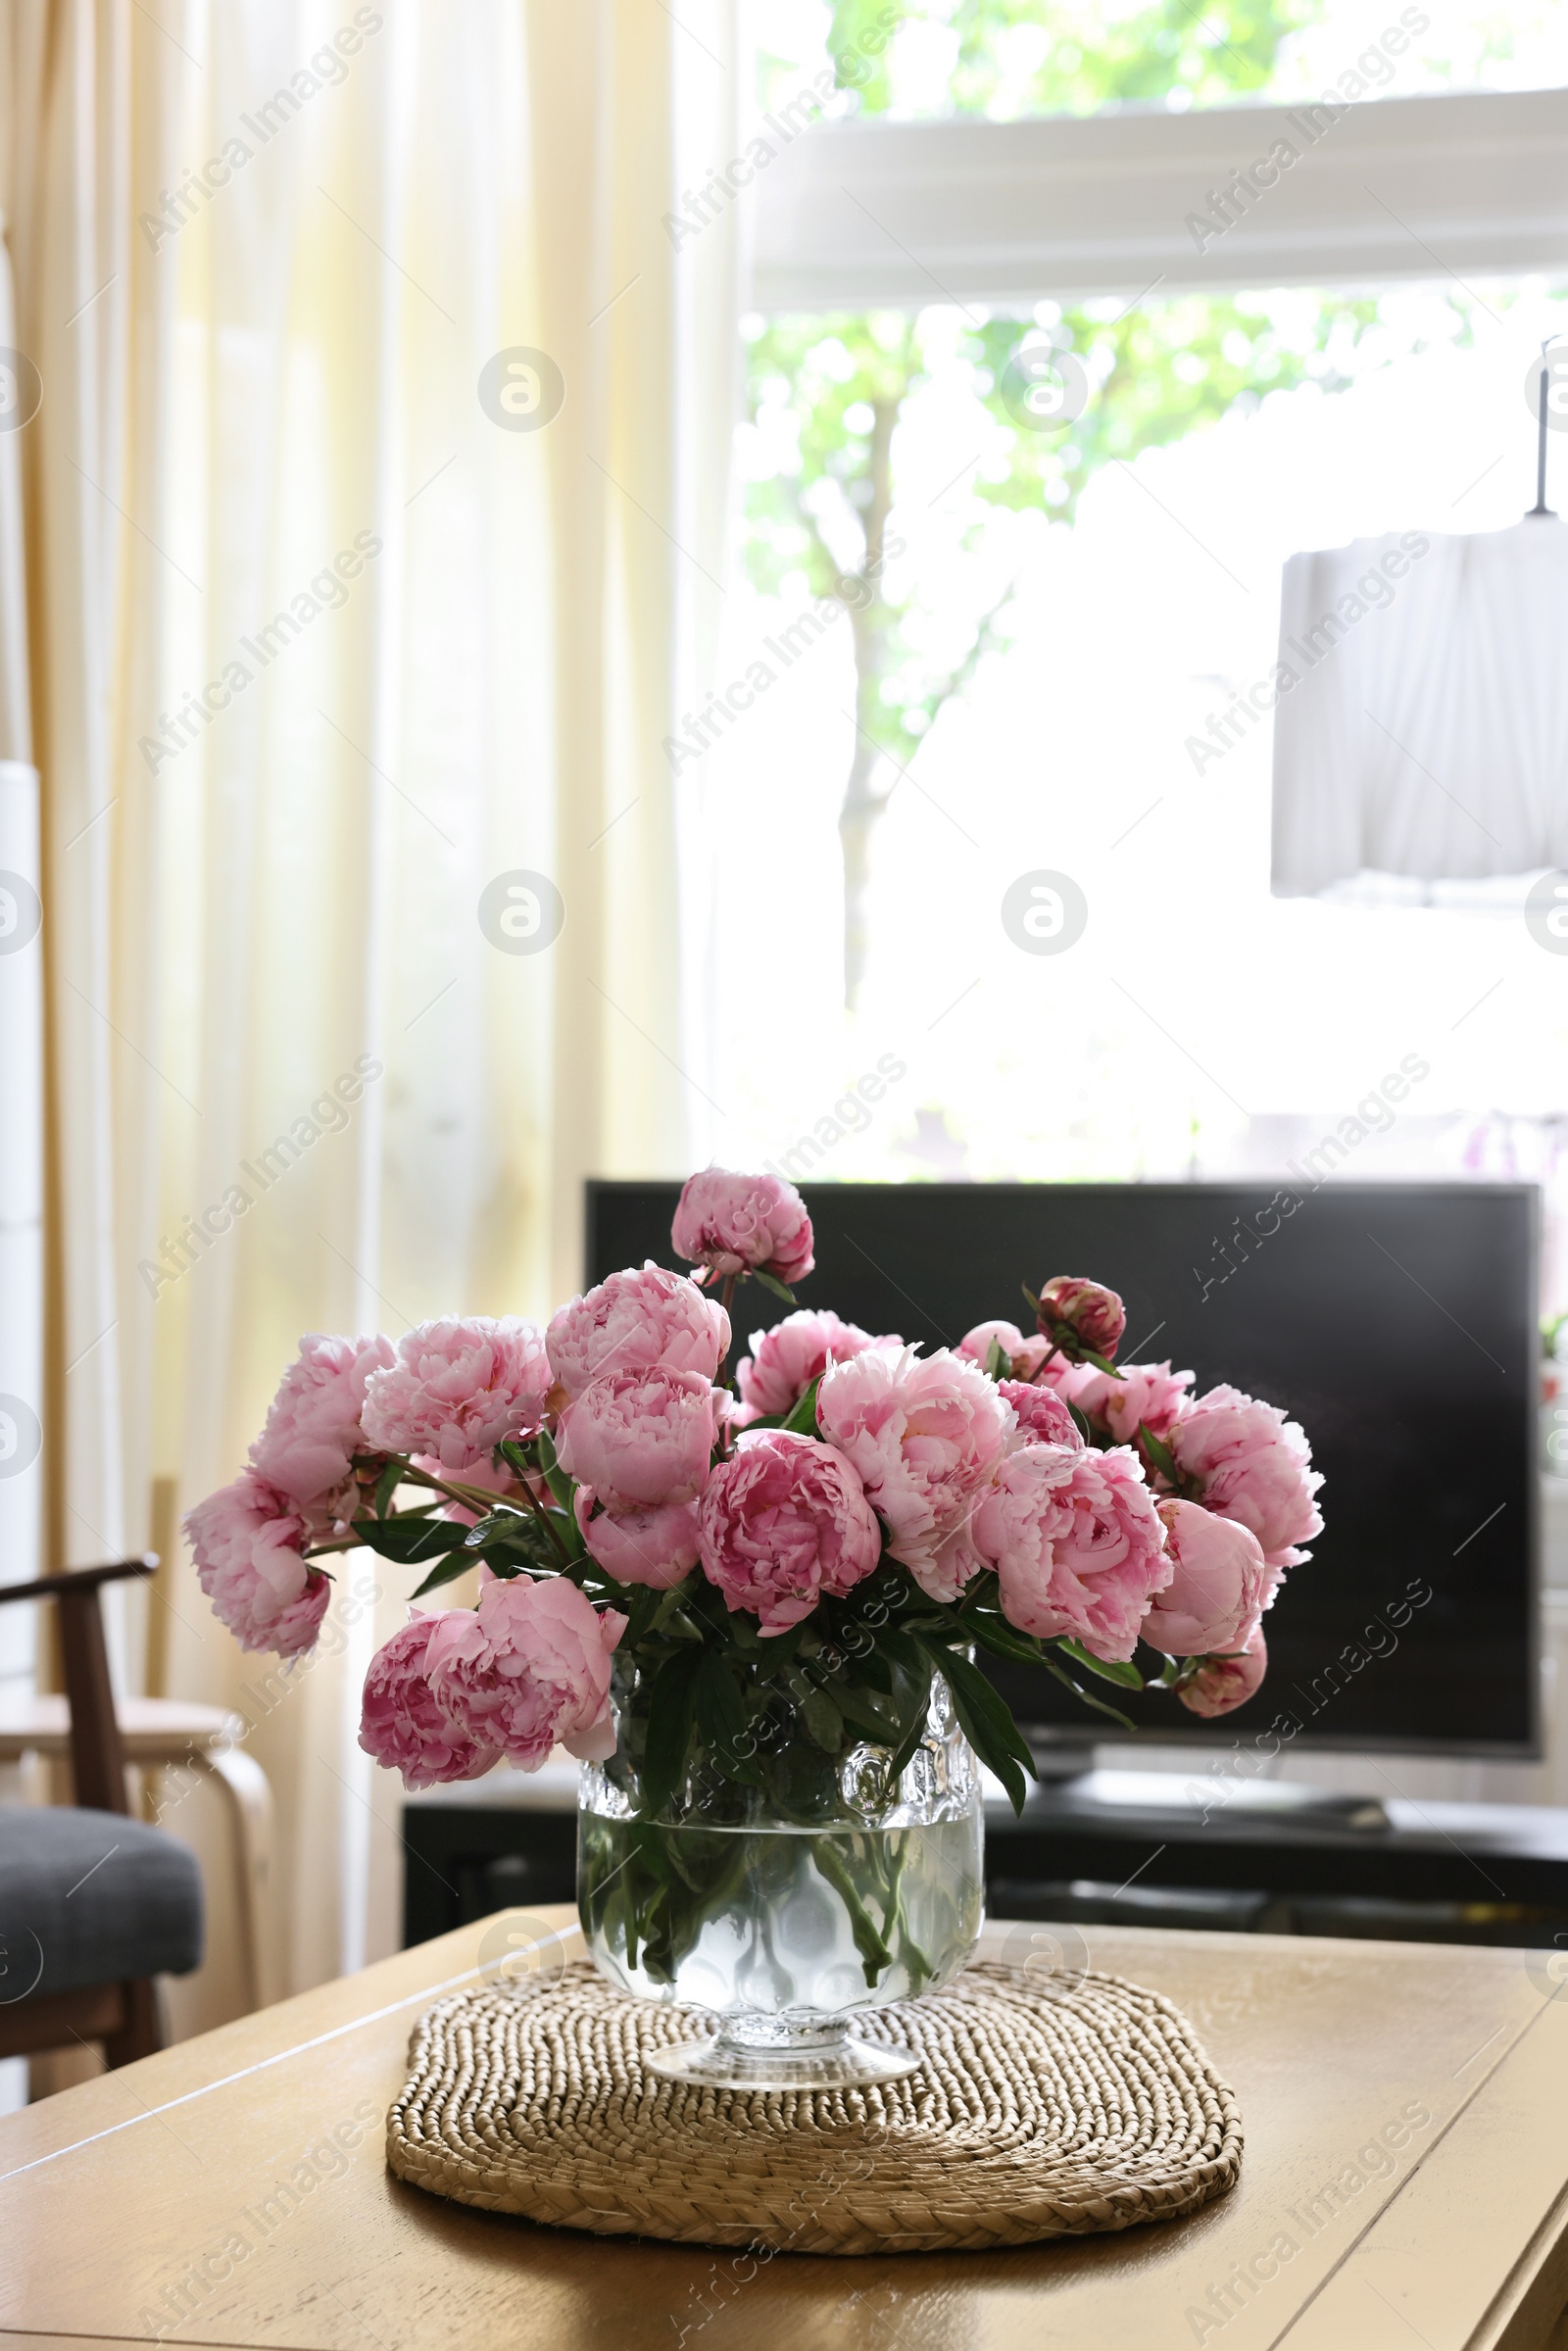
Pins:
x,y
249,1802
143,2031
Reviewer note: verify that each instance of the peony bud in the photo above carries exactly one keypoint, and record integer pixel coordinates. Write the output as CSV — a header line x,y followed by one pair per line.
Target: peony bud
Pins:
x,y
735,1224
1220,1586
1223,1684
1079,1317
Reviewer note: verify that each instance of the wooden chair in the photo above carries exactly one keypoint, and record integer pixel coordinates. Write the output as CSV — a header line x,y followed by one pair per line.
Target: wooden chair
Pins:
x,y
93,1977
159,1734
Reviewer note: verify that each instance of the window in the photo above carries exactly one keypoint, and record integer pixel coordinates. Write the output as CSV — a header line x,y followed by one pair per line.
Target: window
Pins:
x,y
972,647
1003,59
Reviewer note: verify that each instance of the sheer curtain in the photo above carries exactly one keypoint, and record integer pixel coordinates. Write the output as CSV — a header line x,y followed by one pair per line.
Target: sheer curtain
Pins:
x,y
374,529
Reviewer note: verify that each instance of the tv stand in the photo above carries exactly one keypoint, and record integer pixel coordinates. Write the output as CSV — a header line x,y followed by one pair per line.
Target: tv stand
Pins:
x,y
1147,1848
1158,1797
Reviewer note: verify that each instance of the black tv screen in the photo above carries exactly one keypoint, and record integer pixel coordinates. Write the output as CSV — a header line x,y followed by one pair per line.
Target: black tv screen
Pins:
x,y
1397,1322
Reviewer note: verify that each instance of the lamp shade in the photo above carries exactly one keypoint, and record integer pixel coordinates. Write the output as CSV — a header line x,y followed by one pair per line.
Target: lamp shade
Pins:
x,y
1422,722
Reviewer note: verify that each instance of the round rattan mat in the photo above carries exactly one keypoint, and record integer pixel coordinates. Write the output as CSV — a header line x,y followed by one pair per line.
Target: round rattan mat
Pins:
x,y
1038,2110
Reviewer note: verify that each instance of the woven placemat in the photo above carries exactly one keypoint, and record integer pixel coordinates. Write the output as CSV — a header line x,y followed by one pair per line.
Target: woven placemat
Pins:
x,y
1039,2110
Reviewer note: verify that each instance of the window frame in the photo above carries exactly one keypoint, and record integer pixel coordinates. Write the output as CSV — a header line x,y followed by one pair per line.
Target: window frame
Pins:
x,y
876,215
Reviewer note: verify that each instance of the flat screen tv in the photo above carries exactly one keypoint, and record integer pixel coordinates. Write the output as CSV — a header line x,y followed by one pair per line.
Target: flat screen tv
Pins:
x,y
1397,1322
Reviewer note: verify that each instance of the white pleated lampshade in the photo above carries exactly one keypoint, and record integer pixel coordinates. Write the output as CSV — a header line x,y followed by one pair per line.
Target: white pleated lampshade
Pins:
x,y
1422,722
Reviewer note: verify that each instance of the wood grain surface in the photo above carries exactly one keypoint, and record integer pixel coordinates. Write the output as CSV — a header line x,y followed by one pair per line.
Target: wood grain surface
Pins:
x,y
1405,2182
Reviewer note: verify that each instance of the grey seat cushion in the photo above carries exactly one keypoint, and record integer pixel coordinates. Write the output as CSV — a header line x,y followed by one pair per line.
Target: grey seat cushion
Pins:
x,y
92,1897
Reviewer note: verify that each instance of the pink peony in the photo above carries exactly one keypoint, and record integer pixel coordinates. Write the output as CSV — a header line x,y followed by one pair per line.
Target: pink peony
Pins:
x,y
312,1429
400,1721
925,1436
1249,1463
785,1361
1146,1394
783,1521
975,1345
457,1386
1024,1356
640,1438
633,1320
1041,1414
529,1667
655,1547
737,1223
1226,1683
1077,1544
1074,1312
248,1540
1218,1589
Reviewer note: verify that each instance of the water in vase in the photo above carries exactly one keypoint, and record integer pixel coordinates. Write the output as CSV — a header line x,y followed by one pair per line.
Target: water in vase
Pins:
x,y
774,1920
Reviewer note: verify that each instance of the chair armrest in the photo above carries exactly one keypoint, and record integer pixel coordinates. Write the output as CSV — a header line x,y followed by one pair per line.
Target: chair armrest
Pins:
x,y
97,1751
80,1578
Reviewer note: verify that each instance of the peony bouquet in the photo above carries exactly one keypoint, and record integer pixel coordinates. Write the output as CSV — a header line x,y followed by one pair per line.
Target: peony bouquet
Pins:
x,y
822,1531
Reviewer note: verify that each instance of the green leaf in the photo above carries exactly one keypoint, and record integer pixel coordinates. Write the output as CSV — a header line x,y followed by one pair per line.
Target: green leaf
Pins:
x,y
998,1363
1101,1362
1113,1713
770,1281
868,1710
1160,1453
446,1573
721,1713
986,1721
913,1731
897,1647
669,1605
1034,1302
412,1540
567,1534
782,1646
640,1605
978,1698
669,1727
800,1419
556,1478
387,1485
1003,1641
1127,1674
819,1713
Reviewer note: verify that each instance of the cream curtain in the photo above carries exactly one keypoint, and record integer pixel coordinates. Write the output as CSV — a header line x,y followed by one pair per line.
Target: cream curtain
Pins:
x,y
324,647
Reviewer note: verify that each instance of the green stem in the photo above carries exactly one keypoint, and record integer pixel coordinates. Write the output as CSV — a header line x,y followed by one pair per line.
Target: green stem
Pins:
x,y
875,1957
725,1298
543,1516
473,1497
480,1499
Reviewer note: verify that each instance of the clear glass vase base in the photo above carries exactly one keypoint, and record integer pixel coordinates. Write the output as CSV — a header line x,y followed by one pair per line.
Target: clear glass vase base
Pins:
x,y
837,2062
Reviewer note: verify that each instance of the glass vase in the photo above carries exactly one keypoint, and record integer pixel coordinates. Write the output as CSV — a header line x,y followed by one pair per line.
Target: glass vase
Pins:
x,y
787,1908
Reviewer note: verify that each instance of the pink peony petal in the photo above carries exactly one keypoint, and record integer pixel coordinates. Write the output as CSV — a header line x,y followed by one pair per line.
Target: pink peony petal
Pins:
x,y
457,1388
783,1521
737,1223
1077,1545
633,1321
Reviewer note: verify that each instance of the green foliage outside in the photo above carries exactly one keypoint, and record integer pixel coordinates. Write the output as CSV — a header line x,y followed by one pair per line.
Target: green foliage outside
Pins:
x,y
828,393
1074,56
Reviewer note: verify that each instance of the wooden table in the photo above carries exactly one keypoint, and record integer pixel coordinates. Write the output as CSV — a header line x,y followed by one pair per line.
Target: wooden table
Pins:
x,y
1405,2184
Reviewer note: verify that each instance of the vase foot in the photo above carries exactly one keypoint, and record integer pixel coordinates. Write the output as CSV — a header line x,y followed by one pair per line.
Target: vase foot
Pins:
x,y
827,2061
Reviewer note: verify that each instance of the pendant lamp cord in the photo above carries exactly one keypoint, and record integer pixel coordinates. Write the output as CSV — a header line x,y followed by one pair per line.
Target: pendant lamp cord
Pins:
x,y
1541,507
